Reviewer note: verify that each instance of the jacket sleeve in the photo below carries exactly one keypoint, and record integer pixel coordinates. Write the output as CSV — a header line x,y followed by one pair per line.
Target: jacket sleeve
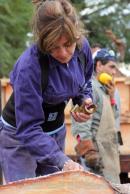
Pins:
x,y
30,115
82,129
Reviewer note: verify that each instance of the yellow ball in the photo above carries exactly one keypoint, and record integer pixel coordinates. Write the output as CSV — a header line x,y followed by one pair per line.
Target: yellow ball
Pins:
x,y
105,78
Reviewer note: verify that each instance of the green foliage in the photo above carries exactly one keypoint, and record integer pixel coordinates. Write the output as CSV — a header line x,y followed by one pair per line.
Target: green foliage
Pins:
x,y
78,4
15,16
108,15
14,24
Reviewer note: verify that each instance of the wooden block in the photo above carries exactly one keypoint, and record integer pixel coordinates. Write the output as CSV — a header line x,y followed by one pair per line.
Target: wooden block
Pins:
x,y
75,182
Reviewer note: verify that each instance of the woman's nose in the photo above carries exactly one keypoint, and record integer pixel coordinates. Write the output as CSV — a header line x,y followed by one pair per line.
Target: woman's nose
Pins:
x,y
63,52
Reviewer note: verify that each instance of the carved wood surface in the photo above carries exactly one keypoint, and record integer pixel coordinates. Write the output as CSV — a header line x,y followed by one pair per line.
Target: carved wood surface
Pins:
x,y
72,182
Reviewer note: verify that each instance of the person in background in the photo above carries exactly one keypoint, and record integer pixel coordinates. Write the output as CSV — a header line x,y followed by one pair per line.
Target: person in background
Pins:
x,y
94,49
97,138
32,129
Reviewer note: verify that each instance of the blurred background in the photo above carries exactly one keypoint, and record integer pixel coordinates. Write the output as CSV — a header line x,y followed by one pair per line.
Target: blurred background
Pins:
x,y
106,22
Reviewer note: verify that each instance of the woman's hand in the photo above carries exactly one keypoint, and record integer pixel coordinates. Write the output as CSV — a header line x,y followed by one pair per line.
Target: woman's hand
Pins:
x,y
71,165
82,117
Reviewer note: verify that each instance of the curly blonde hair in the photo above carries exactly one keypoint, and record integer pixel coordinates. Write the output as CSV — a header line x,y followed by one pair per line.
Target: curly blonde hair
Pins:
x,y
52,19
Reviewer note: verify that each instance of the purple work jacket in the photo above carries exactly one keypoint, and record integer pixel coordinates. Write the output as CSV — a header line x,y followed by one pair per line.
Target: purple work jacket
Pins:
x,y
65,81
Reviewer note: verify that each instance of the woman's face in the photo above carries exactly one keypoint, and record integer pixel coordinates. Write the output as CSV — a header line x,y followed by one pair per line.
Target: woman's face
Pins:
x,y
63,50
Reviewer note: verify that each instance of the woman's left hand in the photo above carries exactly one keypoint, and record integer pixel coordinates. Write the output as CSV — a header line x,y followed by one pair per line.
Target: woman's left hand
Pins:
x,y
82,117
71,165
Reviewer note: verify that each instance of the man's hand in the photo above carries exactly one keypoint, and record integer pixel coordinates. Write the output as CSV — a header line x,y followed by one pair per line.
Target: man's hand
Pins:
x,y
87,150
92,158
111,89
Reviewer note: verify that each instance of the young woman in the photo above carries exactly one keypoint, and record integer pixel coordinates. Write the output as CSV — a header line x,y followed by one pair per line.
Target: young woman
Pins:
x,y
33,132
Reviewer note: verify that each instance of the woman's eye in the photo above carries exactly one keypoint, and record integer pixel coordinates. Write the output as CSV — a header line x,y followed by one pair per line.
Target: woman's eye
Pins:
x,y
54,48
68,45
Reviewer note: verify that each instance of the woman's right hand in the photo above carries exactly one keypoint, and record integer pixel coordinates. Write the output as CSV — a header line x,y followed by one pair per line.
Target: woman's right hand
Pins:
x,y
71,165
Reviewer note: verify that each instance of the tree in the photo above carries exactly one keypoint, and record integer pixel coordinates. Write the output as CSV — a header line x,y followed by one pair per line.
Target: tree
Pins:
x,y
103,15
79,4
97,15
14,24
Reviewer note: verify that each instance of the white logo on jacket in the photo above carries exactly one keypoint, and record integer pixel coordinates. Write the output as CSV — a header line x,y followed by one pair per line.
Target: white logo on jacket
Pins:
x,y
52,116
